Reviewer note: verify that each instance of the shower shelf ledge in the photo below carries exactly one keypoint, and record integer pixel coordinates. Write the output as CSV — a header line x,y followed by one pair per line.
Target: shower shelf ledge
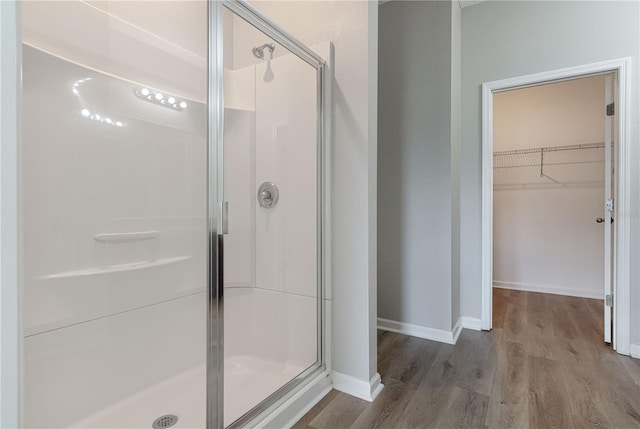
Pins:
x,y
111,269
238,108
121,237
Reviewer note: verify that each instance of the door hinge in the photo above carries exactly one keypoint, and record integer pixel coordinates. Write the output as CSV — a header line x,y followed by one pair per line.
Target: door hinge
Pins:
x,y
608,300
611,109
608,205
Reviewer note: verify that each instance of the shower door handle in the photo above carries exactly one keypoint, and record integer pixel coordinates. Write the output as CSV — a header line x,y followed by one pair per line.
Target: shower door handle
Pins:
x,y
224,218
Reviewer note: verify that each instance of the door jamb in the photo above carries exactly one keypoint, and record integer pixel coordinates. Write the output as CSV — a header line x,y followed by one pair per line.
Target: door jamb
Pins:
x,y
622,192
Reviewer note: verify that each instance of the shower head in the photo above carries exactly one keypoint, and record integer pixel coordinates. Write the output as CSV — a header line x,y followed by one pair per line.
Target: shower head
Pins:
x,y
258,51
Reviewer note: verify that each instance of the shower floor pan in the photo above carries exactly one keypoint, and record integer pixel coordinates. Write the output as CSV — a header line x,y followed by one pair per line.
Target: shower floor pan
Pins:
x,y
248,380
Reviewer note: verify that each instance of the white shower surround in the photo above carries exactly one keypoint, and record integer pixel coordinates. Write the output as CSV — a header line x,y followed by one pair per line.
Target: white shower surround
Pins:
x,y
170,299
105,321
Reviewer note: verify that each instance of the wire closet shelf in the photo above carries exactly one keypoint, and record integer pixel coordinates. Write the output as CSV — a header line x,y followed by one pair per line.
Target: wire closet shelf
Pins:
x,y
556,166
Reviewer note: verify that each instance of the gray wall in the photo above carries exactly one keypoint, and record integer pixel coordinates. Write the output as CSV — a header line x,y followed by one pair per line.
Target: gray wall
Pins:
x,y
429,179
507,38
414,163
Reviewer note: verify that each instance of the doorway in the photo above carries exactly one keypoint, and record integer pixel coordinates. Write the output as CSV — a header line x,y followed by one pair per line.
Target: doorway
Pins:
x,y
550,168
516,168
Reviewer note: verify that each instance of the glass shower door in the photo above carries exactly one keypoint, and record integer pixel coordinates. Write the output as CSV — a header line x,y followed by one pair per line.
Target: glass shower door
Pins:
x,y
115,226
272,162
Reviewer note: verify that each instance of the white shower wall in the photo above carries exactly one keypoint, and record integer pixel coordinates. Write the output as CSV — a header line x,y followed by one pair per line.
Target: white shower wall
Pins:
x,y
84,178
239,186
287,155
270,135
105,321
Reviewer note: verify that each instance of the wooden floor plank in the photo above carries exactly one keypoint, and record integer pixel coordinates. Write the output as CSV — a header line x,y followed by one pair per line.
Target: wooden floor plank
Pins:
x,y
466,409
515,320
499,310
538,335
596,307
632,366
305,421
341,412
548,399
508,405
537,302
500,292
475,361
387,409
619,392
587,325
564,324
405,359
518,297
544,365
585,401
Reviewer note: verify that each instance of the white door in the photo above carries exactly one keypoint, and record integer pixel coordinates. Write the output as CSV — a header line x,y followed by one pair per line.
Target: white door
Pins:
x,y
608,205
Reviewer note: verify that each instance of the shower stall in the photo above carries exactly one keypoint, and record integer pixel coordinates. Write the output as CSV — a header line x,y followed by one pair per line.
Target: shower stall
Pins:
x,y
173,229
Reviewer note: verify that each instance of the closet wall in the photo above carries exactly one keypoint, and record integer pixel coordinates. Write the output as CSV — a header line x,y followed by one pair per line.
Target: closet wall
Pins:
x,y
546,238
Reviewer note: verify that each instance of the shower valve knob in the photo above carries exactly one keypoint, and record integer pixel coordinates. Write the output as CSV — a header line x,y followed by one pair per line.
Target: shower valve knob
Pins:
x,y
268,195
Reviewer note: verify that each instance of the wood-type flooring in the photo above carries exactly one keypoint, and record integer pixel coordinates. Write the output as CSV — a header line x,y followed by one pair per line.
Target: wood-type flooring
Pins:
x,y
544,365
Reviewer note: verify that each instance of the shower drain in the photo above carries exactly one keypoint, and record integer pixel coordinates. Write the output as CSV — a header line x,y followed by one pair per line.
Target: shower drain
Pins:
x,y
165,421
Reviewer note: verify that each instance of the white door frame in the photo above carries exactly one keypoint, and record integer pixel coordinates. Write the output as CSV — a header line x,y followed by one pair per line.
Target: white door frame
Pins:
x,y
621,285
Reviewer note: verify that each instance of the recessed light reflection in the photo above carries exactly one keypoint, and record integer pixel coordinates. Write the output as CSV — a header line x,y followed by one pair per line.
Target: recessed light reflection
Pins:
x,y
77,84
86,113
159,98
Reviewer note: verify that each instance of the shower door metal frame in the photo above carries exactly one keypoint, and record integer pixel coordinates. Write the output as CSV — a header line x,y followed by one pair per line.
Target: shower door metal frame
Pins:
x,y
215,241
215,358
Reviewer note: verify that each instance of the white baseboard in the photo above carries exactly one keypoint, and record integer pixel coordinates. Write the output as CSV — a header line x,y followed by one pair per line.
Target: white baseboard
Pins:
x,y
420,331
359,388
634,350
293,409
457,328
472,323
552,289
440,335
